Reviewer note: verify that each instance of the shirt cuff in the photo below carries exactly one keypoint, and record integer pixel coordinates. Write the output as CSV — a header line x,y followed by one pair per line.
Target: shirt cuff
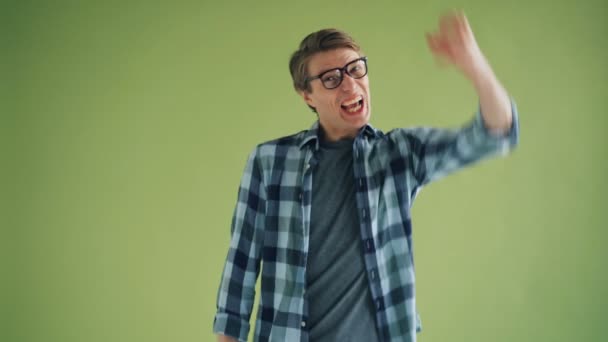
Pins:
x,y
231,325
505,141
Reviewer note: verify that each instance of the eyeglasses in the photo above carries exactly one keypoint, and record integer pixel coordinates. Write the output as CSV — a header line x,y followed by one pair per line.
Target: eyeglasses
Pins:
x,y
332,79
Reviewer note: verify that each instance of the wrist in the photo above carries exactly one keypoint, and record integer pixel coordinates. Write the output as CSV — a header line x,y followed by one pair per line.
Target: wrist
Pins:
x,y
481,75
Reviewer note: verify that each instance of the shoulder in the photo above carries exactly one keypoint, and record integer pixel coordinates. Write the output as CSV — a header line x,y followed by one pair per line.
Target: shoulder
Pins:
x,y
404,137
285,141
277,145
276,152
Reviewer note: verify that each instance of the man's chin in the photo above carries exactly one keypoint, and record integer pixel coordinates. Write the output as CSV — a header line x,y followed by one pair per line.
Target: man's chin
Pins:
x,y
359,120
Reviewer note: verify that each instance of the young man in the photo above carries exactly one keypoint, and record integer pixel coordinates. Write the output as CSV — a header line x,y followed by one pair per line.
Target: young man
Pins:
x,y
327,211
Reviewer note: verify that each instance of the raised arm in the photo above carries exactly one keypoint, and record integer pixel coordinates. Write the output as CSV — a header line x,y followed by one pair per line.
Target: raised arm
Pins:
x,y
455,44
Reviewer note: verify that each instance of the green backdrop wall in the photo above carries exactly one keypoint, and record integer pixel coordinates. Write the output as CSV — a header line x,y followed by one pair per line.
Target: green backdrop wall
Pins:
x,y
128,125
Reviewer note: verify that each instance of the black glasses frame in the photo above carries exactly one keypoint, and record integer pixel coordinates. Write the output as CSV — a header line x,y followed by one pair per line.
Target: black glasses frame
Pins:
x,y
343,70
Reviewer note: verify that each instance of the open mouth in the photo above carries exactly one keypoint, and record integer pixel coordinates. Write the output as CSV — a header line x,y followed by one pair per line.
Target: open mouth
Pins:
x,y
354,106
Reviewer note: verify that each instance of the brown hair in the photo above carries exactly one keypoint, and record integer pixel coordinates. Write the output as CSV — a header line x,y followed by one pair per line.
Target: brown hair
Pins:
x,y
323,40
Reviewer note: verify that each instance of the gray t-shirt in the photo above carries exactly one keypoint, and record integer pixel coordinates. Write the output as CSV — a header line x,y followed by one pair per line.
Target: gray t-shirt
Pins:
x,y
339,299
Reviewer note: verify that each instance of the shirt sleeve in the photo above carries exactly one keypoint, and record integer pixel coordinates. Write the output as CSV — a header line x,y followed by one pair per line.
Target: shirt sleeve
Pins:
x,y
237,288
434,153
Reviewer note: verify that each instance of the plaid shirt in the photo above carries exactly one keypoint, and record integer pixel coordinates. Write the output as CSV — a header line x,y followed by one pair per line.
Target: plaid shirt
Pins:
x,y
271,223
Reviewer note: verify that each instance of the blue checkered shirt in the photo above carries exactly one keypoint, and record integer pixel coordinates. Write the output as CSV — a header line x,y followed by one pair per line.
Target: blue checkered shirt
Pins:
x,y
271,224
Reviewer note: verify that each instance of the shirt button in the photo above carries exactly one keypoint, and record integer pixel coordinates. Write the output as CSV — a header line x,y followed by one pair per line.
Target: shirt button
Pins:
x,y
364,215
300,196
303,324
373,275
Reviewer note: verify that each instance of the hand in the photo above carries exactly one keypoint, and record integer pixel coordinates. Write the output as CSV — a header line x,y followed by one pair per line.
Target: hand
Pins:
x,y
224,338
455,44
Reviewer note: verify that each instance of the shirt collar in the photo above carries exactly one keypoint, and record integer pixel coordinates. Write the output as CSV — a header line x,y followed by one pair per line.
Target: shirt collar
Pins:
x,y
312,135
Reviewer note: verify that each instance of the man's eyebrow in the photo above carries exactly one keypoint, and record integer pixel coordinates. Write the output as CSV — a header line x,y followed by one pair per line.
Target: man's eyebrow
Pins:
x,y
326,70
334,68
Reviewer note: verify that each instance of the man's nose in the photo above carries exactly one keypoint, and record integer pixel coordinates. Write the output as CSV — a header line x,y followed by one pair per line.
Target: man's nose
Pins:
x,y
348,83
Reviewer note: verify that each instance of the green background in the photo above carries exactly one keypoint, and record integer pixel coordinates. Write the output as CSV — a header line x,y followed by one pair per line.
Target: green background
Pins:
x,y
126,126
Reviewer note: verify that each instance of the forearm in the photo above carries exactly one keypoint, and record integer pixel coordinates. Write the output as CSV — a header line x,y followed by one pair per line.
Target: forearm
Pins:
x,y
493,98
224,338
455,43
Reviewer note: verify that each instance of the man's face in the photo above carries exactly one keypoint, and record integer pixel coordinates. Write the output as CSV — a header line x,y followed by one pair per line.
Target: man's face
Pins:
x,y
344,109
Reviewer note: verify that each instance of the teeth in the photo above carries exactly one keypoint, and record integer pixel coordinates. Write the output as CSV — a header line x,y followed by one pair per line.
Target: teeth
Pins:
x,y
354,109
346,104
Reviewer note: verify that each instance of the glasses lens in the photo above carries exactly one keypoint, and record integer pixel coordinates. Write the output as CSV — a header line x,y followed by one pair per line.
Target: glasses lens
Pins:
x,y
331,79
357,69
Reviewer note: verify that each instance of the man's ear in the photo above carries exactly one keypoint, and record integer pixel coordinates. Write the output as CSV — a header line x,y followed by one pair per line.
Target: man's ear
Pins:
x,y
306,96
